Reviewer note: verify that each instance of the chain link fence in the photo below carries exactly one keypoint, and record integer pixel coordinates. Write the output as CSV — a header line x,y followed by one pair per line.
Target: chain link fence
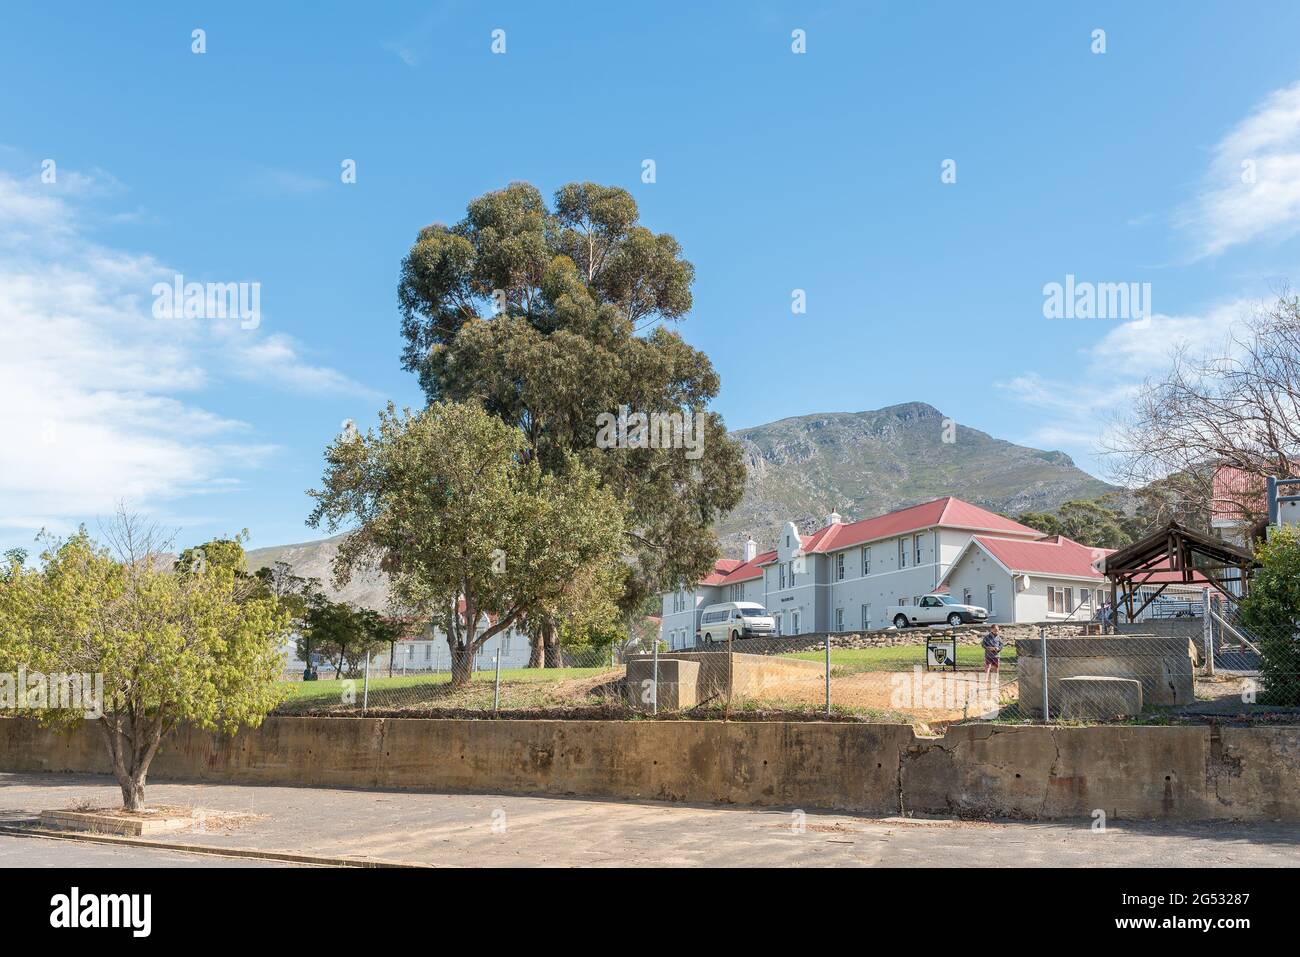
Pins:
x,y
1176,662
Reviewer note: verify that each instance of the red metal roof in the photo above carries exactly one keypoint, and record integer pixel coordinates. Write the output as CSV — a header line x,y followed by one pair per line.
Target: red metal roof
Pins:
x,y
949,512
721,568
1237,492
747,571
1057,555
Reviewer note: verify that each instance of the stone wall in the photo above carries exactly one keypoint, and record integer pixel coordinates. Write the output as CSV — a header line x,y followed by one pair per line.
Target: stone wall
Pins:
x,y
1187,773
892,637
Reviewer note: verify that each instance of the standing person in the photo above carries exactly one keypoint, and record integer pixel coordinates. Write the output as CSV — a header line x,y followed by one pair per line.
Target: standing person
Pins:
x,y
993,645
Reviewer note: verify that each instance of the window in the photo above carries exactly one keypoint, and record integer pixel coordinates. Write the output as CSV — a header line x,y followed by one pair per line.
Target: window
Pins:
x,y
866,616
902,553
737,592
965,596
990,606
902,602
428,652
782,570
866,560
791,564
794,622
839,566
839,619
1059,600
777,619
916,549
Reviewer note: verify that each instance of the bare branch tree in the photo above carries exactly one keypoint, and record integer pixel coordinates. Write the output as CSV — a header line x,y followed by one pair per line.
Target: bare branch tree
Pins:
x,y
1207,435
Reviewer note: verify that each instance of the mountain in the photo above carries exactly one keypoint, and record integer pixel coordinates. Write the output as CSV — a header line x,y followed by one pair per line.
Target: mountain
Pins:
x,y
865,463
368,589
858,463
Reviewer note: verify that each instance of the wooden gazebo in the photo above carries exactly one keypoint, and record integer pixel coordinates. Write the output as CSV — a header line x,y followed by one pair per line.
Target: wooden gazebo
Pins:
x,y
1174,555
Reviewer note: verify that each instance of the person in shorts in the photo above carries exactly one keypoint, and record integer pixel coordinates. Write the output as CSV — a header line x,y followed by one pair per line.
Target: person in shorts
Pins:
x,y
993,645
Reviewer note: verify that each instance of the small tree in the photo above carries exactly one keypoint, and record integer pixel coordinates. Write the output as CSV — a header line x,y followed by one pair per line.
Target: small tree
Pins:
x,y
170,647
339,632
461,522
1271,611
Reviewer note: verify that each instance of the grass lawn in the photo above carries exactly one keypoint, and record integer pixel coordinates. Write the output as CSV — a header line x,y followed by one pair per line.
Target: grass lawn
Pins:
x,y
518,685
900,658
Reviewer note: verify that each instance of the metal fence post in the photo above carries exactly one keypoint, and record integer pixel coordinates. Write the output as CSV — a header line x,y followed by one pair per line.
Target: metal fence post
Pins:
x,y
654,683
828,674
1207,626
365,688
496,687
1042,644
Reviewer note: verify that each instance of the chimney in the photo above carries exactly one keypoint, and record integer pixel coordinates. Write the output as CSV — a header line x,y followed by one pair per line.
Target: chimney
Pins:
x,y
751,548
833,518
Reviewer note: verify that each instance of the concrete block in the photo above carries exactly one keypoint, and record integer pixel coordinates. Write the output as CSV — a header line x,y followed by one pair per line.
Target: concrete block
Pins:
x,y
678,683
1092,696
113,823
1162,663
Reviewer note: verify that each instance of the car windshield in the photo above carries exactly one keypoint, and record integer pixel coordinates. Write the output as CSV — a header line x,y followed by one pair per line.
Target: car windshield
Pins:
x,y
754,612
946,600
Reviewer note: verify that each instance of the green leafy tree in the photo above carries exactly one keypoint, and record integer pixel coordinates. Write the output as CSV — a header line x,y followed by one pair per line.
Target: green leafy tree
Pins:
x,y
1088,523
465,523
339,633
293,592
537,316
383,630
170,647
227,553
1271,610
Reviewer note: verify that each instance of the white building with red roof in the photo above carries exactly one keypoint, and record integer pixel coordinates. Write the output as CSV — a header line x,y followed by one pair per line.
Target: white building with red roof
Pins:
x,y
850,576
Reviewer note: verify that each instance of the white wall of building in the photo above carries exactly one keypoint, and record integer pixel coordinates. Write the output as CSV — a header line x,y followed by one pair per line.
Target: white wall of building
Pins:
x,y
431,653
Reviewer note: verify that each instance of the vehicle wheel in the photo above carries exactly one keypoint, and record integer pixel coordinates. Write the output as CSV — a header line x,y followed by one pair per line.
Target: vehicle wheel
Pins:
x,y
954,619
735,636
900,621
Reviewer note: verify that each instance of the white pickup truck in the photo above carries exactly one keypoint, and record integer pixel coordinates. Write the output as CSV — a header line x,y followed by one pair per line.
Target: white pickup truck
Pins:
x,y
939,609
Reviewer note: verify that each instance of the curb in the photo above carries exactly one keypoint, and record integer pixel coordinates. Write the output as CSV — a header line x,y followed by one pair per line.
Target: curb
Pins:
x,y
290,857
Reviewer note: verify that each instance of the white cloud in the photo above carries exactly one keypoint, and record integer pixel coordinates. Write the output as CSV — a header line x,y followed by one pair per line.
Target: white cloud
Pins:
x,y
1078,413
1264,147
101,400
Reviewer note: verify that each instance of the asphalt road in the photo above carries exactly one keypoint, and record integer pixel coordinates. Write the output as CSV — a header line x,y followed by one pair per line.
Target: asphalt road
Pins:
x,y
477,830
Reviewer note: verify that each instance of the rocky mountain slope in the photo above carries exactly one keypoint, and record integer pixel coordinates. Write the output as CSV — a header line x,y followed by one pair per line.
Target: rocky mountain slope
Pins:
x,y
865,463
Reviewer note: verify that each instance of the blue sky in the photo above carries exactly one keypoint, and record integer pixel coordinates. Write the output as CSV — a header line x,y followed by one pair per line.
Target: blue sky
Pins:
x,y
775,171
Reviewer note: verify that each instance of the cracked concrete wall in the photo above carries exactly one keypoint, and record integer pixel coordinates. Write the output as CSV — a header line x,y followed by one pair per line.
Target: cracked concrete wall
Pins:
x,y
1018,771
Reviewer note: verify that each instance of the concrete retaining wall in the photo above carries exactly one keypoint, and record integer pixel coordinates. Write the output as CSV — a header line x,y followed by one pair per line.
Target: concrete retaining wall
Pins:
x,y
1151,773
1162,664
723,675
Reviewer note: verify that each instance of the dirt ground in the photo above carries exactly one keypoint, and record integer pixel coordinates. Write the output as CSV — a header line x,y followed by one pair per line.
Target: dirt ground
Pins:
x,y
928,698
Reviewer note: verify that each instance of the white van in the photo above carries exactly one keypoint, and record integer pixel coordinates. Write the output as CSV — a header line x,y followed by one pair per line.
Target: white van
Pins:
x,y
733,620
